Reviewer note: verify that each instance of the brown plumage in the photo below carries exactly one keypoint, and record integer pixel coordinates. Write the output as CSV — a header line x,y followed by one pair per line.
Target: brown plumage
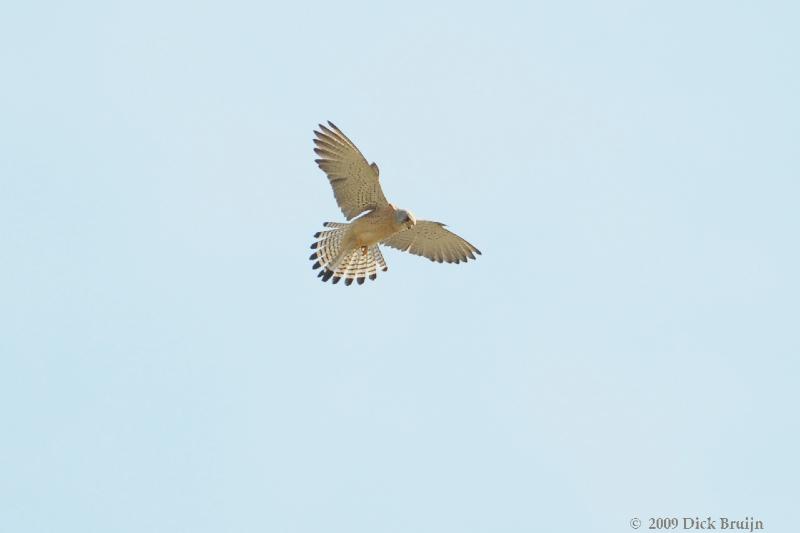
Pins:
x,y
350,250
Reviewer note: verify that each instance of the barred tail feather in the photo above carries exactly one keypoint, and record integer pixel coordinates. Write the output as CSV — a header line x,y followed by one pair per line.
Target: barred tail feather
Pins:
x,y
358,266
328,246
354,265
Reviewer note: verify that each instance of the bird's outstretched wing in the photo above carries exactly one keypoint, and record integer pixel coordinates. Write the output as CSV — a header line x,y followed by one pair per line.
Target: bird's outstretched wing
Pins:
x,y
431,240
354,181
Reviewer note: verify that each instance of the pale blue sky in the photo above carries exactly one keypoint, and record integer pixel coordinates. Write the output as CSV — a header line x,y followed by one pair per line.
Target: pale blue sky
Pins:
x,y
626,346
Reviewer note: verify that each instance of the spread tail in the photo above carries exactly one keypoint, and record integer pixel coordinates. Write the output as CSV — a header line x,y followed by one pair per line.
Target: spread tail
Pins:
x,y
337,263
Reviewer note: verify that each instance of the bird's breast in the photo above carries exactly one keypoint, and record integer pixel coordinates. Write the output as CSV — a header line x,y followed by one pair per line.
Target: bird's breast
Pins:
x,y
373,228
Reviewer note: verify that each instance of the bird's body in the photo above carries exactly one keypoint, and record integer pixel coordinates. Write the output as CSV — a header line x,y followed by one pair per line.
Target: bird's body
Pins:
x,y
373,227
350,250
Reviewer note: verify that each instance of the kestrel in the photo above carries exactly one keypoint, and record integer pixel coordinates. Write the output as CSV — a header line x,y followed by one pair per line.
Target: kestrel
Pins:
x,y
350,250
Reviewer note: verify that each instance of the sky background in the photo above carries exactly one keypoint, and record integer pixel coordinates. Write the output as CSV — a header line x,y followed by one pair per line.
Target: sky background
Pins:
x,y
626,346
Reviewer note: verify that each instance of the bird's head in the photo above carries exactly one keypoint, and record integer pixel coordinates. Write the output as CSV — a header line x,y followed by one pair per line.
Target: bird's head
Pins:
x,y
405,218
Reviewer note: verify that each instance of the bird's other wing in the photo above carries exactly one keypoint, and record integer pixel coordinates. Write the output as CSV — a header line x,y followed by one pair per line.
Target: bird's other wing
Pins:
x,y
431,240
354,181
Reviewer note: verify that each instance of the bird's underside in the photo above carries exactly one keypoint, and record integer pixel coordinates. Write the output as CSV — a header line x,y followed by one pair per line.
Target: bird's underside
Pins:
x,y
351,251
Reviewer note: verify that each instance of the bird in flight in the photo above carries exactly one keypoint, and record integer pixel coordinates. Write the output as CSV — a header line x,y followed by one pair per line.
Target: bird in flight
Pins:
x,y
350,250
